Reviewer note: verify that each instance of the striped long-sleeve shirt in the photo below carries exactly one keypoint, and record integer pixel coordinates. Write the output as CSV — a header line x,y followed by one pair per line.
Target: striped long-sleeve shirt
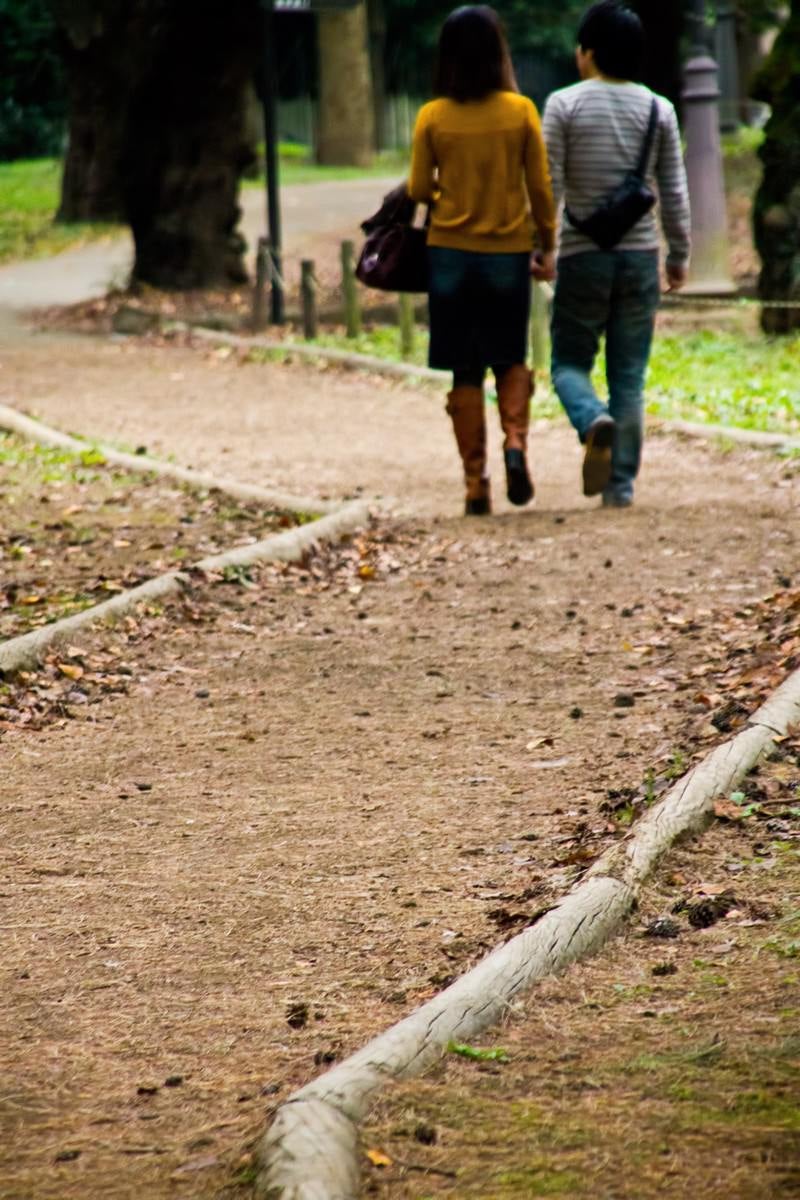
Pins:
x,y
594,133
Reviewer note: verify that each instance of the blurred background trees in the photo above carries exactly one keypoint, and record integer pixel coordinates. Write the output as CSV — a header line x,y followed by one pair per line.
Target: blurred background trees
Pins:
x,y
153,106
32,101
776,212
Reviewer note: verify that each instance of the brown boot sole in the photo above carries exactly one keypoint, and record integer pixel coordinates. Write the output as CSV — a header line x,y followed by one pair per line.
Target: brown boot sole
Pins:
x,y
597,456
480,506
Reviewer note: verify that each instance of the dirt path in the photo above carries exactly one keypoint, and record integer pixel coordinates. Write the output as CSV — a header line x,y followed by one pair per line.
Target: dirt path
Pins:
x,y
296,824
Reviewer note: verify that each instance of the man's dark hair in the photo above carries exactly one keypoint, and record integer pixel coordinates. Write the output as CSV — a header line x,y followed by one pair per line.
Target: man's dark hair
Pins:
x,y
473,57
616,35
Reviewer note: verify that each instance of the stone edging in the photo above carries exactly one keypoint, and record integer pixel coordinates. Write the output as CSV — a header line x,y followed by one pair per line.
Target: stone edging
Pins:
x,y
744,437
16,422
289,546
311,1150
383,366
342,358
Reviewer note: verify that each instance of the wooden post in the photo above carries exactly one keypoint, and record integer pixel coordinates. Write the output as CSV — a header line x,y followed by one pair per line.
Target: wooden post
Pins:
x,y
352,312
540,328
259,315
406,320
308,295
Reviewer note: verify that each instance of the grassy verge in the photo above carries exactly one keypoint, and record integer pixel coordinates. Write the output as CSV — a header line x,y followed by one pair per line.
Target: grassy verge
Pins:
x,y
665,1067
79,530
750,382
29,193
297,166
29,190
722,378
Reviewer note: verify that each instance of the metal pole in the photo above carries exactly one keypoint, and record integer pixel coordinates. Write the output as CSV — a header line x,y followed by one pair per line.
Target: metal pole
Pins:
x,y
710,269
270,100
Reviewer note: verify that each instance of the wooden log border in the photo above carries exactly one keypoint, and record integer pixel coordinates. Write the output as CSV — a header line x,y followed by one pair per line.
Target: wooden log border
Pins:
x,y
383,366
17,422
311,1150
743,437
20,652
341,358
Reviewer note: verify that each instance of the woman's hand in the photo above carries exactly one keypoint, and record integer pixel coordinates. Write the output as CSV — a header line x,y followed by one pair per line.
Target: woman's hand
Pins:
x,y
543,265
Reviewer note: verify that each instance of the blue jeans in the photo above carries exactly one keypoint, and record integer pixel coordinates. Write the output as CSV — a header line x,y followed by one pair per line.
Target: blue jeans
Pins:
x,y
615,293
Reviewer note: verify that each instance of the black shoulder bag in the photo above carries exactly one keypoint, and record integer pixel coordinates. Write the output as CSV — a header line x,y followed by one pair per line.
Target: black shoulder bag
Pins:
x,y
627,204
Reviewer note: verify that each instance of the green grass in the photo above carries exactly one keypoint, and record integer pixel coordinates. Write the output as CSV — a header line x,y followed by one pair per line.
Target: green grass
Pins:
x,y
29,195
29,192
727,379
751,382
296,166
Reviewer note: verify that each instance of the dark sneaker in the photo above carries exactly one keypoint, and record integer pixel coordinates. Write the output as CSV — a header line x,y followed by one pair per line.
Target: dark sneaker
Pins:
x,y
610,500
598,442
481,506
518,481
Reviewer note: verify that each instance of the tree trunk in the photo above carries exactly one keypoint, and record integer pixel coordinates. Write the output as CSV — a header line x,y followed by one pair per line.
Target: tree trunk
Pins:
x,y
377,49
97,80
346,115
158,129
776,214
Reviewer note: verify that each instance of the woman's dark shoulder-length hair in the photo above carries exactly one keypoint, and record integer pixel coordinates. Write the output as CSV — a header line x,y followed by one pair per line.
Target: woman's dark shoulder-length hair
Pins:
x,y
473,57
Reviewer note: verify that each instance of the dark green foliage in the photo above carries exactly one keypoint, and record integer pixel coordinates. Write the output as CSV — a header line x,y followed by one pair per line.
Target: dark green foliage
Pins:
x,y
31,84
777,204
537,30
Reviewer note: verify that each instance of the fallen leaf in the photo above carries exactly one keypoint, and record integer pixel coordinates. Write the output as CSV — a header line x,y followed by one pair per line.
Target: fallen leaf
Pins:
x,y
378,1158
71,670
727,811
535,742
202,1163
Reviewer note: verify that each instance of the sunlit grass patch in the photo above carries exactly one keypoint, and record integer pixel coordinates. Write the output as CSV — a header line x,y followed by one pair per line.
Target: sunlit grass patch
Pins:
x,y
29,195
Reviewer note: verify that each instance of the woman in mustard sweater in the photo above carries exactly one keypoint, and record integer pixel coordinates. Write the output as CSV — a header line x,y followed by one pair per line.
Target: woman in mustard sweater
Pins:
x,y
479,159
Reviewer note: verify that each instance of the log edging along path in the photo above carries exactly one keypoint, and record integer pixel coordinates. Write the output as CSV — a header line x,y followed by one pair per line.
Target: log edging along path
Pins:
x,y
311,1150
384,366
289,546
14,421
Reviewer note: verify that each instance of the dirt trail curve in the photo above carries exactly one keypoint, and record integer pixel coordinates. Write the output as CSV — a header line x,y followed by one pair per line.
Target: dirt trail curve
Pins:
x,y
332,784
314,802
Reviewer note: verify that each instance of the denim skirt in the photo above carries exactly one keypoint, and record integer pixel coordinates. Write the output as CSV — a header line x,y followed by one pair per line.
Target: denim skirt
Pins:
x,y
479,307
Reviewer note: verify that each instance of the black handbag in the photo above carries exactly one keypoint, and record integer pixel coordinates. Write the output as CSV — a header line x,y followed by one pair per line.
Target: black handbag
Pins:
x,y
394,257
627,204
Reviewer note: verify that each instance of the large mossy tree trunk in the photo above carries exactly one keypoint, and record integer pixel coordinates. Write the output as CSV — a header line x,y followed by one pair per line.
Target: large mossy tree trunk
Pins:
x,y
776,212
158,129
346,135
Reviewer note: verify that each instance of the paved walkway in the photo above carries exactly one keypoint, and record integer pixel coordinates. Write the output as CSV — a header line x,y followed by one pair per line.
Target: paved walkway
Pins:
x,y
308,210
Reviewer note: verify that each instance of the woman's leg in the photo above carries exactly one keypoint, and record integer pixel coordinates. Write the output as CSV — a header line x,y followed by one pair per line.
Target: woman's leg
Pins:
x,y
465,406
514,391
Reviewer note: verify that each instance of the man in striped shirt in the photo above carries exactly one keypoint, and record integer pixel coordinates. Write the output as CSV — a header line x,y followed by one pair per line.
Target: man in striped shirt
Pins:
x,y
595,131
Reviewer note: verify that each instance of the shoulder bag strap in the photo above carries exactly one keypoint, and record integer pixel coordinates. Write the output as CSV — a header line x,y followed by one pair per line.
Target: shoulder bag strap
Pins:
x,y
647,145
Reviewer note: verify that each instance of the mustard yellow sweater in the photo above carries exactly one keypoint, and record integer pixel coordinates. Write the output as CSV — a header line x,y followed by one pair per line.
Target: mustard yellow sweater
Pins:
x,y
483,167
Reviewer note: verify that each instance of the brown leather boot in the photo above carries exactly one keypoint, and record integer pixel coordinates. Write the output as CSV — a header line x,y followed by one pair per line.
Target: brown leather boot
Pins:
x,y
514,401
465,406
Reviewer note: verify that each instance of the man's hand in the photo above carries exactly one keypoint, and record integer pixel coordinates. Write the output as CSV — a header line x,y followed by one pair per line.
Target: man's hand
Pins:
x,y
543,266
676,277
